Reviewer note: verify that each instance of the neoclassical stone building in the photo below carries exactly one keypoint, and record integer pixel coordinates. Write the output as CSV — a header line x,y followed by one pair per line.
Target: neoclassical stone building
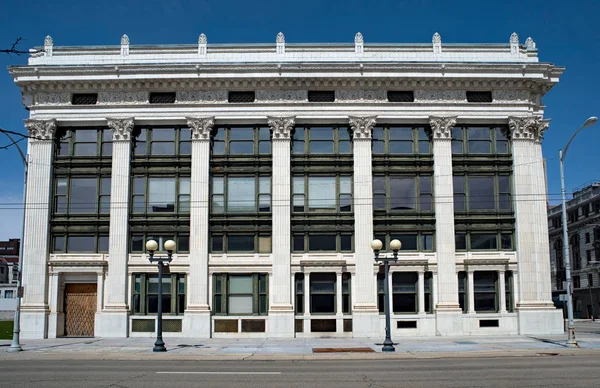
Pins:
x,y
272,167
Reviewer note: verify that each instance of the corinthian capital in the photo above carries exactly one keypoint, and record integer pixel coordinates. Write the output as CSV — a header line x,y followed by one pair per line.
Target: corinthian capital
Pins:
x,y
362,127
40,130
441,127
201,127
281,126
528,128
121,128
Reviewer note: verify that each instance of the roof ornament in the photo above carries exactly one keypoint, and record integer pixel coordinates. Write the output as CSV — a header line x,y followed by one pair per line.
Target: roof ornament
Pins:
x,y
124,45
437,43
202,41
530,44
358,43
514,43
280,43
48,45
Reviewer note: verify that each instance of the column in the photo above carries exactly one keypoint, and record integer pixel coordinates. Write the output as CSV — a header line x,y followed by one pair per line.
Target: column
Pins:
x,y
365,312
434,287
421,292
502,291
447,309
306,290
281,312
197,318
55,316
34,307
339,303
537,314
113,321
470,292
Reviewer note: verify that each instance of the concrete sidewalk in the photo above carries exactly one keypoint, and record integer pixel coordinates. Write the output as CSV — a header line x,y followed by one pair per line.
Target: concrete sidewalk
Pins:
x,y
298,349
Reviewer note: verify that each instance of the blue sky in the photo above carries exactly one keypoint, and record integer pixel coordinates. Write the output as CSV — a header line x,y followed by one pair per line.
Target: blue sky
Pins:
x,y
566,34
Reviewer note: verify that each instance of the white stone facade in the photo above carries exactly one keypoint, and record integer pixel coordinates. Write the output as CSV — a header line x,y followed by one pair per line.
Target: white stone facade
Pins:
x,y
440,78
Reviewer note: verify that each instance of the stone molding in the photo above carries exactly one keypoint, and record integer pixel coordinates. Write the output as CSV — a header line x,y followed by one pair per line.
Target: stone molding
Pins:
x,y
359,95
208,96
528,128
121,128
40,130
123,98
441,127
510,96
281,95
201,127
440,96
362,127
53,98
281,127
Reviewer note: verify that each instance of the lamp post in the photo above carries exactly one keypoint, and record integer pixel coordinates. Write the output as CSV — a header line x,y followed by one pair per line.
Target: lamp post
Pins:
x,y
151,247
561,156
395,245
15,346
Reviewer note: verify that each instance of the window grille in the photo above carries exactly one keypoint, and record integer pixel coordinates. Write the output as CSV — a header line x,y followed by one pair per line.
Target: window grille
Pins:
x,y
241,97
84,99
162,98
321,96
479,96
401,96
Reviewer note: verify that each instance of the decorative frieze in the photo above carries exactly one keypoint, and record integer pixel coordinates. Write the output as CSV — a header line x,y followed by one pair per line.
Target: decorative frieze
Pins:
x,y
53,98
201,127
510,96
440,96
362,127
281,127
209,96
281,95
121,128
347,95
441,127
40,130
528,128
122,98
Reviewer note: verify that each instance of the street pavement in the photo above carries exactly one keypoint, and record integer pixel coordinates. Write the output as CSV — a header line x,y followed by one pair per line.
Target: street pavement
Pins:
x,y
547,371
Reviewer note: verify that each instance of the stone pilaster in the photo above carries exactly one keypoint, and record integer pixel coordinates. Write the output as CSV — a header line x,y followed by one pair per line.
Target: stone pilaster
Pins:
x,y
197,319
113,320
34,308
448,312
281,312
365,312
534,300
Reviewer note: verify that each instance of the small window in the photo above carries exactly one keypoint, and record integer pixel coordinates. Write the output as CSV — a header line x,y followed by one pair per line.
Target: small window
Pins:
x,y
479,96
241,97
84,99
400,96
321,96
162,98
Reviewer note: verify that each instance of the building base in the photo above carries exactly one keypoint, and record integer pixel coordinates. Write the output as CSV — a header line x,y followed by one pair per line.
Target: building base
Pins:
x,y
366,324
280,324
197,324
34,323
449,322
112,324
541,322
56,325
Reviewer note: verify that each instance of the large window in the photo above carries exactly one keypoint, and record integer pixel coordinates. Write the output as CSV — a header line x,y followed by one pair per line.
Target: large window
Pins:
x,y
145,294
82,195
163,141
422,241
480,140
482,240
242,141
159,194
240,194
482,193
400,140
79,142
231,242
138,241
322,140
322,241
485,291
240,294
322,193
404,291
403,193
462,291
79,243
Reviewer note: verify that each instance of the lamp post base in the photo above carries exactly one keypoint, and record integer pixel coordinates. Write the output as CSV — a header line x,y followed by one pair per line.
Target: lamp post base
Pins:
x,y
159,346
388,345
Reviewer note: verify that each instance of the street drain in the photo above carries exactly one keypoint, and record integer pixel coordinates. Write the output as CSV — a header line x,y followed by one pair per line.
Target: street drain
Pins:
x,y
343,350
547,354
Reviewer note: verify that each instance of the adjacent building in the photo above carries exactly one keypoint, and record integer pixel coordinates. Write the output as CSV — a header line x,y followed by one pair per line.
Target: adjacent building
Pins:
x,y
583,226
9,275
273,167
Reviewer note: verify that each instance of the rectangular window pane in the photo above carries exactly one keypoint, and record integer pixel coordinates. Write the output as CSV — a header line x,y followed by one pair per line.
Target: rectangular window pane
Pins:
x,y
483,241
85,149
83,195
264,244
240,284
321,147
240,243
217,243
298,243
241,195
506,241
240,304
81,244
183,244
461,241
409,241
241,148
103,244
163,134
346,242
402,192
320,242
59,244
163,148
321,193
481,193
161,195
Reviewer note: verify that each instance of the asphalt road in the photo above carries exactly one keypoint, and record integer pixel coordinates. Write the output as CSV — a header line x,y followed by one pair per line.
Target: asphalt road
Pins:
x,y
540,371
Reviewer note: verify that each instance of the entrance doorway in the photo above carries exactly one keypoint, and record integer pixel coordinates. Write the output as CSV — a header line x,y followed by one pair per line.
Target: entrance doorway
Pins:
x,y
80,309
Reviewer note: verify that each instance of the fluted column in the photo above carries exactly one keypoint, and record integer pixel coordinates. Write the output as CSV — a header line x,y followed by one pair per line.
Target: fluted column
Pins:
x,y
113,321
502,291
34,308
470,292
534,300
447,308
281,312
421,292
197,314
365,312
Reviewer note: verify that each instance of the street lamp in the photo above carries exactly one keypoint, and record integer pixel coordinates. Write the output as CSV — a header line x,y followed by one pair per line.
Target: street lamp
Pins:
x,y
395,245
561,156
15,346
151,247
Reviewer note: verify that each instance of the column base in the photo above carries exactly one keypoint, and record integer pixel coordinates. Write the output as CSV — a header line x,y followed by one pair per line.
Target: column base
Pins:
x,y
112,324
197,323
56,325
540,321
448,320
281,322
366,324
34,322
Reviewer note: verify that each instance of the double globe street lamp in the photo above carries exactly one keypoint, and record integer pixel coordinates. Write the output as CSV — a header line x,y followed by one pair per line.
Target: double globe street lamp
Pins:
x,y
151,247
395,245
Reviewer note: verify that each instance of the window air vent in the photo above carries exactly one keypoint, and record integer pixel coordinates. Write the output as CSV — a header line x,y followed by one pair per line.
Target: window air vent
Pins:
x,y
162,98
84,99
321,96
479,96
406,324
240,97
401,96
488,323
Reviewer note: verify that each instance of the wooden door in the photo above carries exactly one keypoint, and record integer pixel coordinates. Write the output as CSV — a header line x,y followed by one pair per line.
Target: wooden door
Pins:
x,y
80,309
